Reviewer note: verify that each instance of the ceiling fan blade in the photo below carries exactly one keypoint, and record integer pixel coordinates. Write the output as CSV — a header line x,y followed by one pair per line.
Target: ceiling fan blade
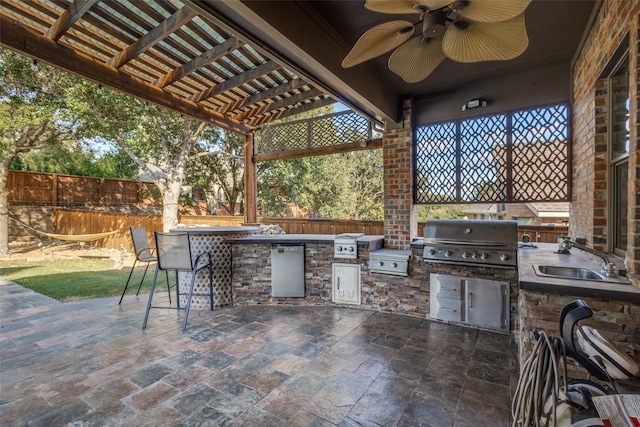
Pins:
x,y
480,41
378,40
489,10
435,4
405,6
391,6
416,59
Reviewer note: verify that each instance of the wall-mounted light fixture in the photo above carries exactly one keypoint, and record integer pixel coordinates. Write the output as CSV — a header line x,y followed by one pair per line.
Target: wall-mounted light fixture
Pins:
x,y
474,103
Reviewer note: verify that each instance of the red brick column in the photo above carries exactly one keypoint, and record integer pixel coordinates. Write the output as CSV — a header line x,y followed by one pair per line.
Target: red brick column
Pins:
x,y
400,214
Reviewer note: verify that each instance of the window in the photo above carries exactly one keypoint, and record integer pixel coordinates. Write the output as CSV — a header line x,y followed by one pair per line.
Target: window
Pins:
x,y
619,101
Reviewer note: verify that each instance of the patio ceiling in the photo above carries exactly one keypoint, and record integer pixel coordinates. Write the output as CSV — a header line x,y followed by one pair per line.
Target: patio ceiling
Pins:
x,y
240,64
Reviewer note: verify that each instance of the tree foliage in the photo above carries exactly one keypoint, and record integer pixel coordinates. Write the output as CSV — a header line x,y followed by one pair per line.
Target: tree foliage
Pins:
x,y
221,173
341,186
160,142
33,114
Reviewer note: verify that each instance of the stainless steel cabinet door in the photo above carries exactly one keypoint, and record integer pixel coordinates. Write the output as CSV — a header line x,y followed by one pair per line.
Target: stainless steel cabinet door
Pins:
x,y
487,303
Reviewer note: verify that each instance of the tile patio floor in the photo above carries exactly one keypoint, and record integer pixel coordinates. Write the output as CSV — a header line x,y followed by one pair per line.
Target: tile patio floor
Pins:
x,y
88,363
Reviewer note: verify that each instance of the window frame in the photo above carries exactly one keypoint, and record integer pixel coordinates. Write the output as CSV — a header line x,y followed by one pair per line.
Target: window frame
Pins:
x,y
616,160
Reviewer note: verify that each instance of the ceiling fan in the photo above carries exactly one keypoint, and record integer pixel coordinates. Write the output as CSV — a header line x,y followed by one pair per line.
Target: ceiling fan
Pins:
x,y
461,30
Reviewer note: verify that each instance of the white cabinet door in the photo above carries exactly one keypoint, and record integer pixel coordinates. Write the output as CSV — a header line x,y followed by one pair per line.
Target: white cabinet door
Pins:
x,y
346,283
487,303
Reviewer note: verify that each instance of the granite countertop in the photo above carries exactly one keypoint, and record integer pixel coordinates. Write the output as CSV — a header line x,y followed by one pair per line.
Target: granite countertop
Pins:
x,y
373,242
545,254
197,229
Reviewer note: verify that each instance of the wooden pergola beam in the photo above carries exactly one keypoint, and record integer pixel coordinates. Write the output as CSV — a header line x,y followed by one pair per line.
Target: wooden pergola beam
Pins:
x,y
282,111
236,81
266,94
206,58
371,144
16,37
153,37
69,17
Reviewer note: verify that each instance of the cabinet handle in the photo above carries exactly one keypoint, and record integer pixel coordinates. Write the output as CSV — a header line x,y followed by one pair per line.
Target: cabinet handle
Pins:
x,y
470,299
452,310
338,283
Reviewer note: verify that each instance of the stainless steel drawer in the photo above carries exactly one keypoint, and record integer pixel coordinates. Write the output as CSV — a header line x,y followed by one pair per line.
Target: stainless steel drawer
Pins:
x,y
447,286
449,309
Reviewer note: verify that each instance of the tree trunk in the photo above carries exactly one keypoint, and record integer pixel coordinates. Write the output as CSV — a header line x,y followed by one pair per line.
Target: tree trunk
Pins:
x,y
4,211
170,200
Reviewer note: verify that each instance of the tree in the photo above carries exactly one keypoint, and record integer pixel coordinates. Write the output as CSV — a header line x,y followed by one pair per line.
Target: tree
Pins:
x,y
222,170
160,142
33,115
347,185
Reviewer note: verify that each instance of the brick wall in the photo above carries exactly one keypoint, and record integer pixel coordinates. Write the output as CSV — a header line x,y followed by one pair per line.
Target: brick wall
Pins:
x,y
590,134
618,321
400,214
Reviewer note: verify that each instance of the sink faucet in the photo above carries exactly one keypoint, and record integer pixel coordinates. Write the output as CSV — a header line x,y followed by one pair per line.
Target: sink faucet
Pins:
x,y
608,268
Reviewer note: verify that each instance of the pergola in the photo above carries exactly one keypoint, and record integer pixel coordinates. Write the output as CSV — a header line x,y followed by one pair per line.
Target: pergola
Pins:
x,y
242,64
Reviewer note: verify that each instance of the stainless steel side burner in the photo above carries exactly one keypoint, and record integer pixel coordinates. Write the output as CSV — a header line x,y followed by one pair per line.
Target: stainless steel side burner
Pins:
x,y
390,261
346,245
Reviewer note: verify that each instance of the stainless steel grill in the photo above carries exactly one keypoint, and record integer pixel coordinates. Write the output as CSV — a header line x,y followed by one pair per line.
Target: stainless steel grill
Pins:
x,y
480,243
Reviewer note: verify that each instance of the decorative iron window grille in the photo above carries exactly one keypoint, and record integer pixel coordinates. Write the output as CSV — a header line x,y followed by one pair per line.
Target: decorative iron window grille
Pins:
x,y
325,131
515,157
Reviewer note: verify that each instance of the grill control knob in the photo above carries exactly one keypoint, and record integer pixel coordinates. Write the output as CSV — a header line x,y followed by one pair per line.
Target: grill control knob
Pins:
x,y
338,248
380,263
465,254
474,255
484,255
394,264
350,248
447,253
432,252
504,257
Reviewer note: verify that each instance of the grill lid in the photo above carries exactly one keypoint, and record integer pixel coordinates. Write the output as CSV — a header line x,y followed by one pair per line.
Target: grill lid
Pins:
x,y
481,243
479,233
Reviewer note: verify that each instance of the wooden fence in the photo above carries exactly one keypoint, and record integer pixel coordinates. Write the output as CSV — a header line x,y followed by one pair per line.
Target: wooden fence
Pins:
x,y
50,189
68,221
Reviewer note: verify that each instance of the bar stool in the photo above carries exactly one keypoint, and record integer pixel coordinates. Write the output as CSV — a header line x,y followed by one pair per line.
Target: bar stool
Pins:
x,y
174,254
144,253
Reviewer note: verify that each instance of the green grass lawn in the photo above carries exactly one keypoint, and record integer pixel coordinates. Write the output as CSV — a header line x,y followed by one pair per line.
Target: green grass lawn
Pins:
x,y
73,279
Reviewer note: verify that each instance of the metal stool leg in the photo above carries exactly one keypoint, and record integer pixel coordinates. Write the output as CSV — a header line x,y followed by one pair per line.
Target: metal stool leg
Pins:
x,y
153,287
211,284
168,285
177,291
128,280
186,314
142,280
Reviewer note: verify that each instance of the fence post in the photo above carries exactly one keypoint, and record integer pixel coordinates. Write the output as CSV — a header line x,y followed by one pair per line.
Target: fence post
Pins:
x,y
54,189
101,198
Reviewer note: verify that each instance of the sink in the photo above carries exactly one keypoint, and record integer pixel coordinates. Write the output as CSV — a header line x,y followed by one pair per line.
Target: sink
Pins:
x,y
568,272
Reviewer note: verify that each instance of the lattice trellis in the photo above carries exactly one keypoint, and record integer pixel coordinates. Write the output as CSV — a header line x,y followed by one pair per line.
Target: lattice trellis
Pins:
x,y
540,154
516,157
325,131
436,167
479,161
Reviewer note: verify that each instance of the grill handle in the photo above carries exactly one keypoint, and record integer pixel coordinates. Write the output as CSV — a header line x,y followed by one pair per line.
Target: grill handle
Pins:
x,y
465,242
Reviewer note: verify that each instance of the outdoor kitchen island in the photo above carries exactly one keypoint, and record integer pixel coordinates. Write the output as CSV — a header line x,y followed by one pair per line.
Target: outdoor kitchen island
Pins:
x,y
392,292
